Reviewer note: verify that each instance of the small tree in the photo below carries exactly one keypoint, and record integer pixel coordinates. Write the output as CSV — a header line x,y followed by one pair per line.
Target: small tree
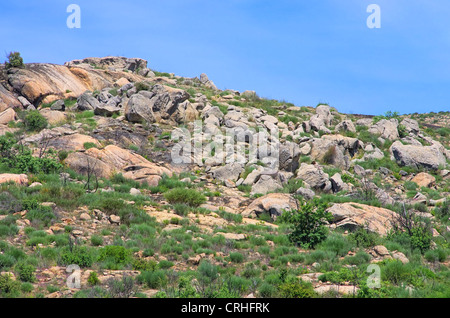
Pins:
x,y
14,60
308,223
34,121
418,230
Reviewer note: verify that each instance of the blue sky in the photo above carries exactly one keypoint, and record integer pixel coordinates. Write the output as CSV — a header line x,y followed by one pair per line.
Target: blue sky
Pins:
x,y
305,52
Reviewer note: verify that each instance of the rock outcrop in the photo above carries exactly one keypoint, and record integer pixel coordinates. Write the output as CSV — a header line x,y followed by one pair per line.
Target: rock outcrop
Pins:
x,y
274,204
353,215
428,157
111,160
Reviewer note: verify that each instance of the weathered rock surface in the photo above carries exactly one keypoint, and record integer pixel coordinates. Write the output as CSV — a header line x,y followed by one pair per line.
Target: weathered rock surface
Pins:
x,y
387,129
353,215
8,100
230,171
20,179
7,115
112,159
160,104
428,157
273,203
424,179
314,176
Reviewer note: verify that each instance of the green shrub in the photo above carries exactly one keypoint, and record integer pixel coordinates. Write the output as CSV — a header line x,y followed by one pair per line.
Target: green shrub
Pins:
x,y
153,279
181,209
89,145
8,286
295,288
358,259
115,257
25,272
93,279
364,238
395,272
437,255
96,240
308,223
167,183
141,86
41,214
34,121
14,60
336,243
236,257
187,196
6,261
121,288
165,264
267,290
80,255
26,287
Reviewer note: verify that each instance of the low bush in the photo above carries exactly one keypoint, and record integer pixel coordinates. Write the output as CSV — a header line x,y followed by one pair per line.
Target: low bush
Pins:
x,y
185,196
115,257
308,223
79,255
34,121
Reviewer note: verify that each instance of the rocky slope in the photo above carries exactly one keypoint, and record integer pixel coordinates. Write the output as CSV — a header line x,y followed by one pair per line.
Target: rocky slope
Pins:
x,y
111,156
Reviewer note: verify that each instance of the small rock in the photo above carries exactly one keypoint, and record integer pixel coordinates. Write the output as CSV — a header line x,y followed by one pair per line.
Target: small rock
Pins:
x,y
114,219
134,191
85,217
381,250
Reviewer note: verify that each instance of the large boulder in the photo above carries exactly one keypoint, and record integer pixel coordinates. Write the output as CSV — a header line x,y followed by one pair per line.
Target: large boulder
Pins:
x,y
87,101
346,125
335,149
424,179
273,204
7,116
353,215
289,155
230,171
265,184
139,110
428,157
8,100
324,112
160,104
314,176
207,82
411,125
20,179
106,110
72,142
53,116
112,159
387,129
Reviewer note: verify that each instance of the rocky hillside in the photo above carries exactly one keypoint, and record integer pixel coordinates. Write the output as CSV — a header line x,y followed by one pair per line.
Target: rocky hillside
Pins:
x,y
157,185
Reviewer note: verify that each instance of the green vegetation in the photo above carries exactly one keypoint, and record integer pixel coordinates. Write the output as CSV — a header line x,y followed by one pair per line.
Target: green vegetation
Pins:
x,y
308,223
14,60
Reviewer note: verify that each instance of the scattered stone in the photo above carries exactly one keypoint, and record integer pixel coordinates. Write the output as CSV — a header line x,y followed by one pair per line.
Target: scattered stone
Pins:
x,y
114,219
134,191
85,217
424,179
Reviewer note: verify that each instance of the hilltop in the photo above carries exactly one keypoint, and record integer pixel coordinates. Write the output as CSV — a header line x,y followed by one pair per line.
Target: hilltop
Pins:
x,y
159,185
